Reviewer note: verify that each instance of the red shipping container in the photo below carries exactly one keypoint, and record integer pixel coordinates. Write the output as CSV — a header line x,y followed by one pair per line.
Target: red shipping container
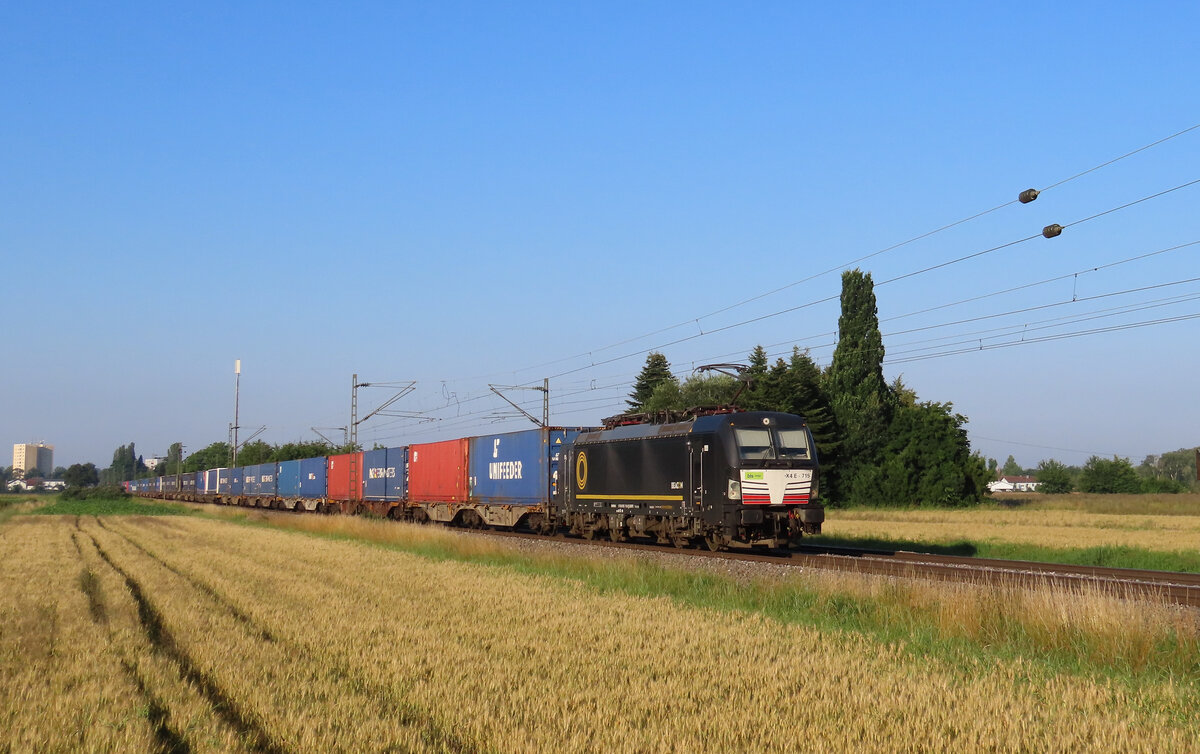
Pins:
x,y
344,475
437,471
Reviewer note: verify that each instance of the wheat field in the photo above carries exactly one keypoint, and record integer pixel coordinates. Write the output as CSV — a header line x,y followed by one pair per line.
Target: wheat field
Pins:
x,y
1049,525
188,634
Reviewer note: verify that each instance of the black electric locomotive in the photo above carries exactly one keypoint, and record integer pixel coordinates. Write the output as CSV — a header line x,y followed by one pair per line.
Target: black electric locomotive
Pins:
x,y
730,479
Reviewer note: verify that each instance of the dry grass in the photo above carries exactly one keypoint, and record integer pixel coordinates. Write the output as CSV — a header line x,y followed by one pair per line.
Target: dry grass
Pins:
x,y
81,672
310,644
1097,625
1050,524
62,687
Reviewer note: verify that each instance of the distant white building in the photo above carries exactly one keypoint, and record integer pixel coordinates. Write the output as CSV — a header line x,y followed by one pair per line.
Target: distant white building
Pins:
x,y
1014,484
25,485
153,462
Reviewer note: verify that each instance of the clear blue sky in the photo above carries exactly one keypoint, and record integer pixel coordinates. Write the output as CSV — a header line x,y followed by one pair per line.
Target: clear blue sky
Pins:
x,y
461,193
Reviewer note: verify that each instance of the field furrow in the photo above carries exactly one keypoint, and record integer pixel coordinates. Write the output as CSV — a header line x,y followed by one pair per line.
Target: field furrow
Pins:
x,y
63,682
497,660
279,697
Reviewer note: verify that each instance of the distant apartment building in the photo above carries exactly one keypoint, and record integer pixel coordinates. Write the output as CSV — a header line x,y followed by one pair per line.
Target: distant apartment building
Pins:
x,y
30,456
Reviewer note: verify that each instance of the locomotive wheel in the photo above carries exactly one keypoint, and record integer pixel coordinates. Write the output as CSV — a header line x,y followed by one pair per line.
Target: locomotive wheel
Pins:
x,y
715,541
680,541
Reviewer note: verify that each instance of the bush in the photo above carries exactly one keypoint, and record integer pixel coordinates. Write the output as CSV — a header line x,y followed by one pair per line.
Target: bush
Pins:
x,y
103,492
1158,485
1105,476
1053,477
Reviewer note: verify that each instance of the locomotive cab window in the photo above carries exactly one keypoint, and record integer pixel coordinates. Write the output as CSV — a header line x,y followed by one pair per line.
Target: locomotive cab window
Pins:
x,y
755,444
793,443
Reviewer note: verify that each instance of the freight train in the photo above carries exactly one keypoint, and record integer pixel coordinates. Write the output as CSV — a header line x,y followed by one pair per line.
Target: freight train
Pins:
x,y
723,478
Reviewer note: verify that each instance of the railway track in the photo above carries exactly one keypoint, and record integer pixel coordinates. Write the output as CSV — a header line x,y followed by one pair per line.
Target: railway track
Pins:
x,y
1161,586
1164,586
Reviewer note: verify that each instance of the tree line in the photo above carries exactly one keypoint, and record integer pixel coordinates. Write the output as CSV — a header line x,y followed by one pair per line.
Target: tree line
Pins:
x,y
1171,472
128,465
9,473
879,444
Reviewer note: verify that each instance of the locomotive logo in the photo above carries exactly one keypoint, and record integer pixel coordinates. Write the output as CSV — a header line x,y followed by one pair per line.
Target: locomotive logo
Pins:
x,y
581,470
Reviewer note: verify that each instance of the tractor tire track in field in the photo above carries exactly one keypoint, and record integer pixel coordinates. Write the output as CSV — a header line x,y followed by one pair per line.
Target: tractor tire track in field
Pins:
x,y
157,714
89,584
162,640
170,741
406,713
236,612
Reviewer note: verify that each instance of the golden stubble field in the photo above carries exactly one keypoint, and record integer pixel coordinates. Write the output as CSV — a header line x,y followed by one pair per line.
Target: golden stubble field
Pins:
x,y
174,634
1169,523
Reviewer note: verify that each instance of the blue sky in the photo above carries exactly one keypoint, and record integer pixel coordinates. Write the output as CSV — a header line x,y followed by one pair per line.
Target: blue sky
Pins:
x,y
461,193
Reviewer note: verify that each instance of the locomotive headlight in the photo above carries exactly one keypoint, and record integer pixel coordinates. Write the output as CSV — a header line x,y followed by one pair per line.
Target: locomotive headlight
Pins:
x,y
735,489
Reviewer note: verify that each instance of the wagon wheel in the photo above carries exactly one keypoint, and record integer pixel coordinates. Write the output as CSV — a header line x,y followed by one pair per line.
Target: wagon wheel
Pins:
x,y
616,535
714,541
680,541
588,532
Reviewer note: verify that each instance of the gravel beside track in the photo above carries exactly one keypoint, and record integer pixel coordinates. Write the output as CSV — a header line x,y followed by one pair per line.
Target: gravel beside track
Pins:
x,y
1160,586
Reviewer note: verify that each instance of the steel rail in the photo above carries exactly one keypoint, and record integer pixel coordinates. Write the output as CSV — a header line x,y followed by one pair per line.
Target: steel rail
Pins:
x,y
1123,583
1174,588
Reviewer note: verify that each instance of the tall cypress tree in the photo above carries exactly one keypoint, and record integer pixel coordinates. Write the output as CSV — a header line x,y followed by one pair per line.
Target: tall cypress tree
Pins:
x,y
862,404
656,371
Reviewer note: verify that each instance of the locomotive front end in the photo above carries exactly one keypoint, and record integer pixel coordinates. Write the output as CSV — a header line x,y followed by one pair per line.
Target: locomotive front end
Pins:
x,y
771,479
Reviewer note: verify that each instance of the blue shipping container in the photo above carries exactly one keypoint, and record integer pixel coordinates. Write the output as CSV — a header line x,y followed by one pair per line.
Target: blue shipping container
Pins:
x,y
287,484
517,468
235,482
385,473
312,477
259,481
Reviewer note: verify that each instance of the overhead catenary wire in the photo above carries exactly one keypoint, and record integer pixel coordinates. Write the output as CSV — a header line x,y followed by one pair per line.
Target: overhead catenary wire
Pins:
x,y
1036,192
1024,329
735,305
1048,338
474,416
825,299
1020,328
1042,447
477,417
973,299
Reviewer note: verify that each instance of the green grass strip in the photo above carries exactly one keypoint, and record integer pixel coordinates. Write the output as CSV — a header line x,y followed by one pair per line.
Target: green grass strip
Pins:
x,y
1106,556
102,507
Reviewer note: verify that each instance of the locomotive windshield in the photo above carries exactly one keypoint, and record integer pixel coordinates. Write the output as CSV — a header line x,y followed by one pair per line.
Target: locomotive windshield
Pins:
x,y
793,443
766,444
755,444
